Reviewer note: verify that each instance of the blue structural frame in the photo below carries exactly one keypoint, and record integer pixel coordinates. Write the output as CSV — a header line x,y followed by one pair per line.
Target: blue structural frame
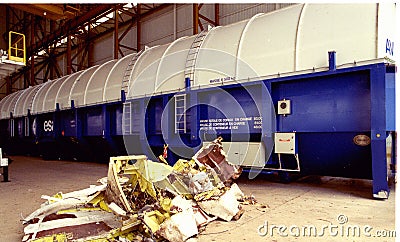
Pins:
x,y
329,108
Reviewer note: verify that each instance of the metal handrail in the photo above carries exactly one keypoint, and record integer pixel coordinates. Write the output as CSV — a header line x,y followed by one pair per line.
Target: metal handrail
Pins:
x,y
16,47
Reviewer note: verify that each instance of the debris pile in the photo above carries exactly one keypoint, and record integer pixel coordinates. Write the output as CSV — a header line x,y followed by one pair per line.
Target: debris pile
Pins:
x,y
142,200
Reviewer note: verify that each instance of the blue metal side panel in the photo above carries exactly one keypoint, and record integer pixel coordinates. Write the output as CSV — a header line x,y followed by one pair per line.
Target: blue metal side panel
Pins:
x,y
154,111
68,123
94,121
334,154
232,110
45,125
335,103
390,101
117,123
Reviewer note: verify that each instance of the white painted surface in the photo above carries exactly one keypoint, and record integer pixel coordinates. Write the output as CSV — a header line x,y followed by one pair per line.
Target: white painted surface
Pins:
x,y
95,87
79,87
144,76
65,90
10,104
170,70
22,110
39,98
112,89
49,104
19,105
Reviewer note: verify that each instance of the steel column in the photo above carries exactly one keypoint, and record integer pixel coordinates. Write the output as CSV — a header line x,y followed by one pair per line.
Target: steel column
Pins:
x,y
53,61
8,85
69,59
138,28
116,40
195,18
89,46
216,14
32,53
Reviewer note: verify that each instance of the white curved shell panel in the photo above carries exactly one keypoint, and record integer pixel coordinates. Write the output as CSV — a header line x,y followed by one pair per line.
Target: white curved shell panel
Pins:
x,y
387,22
113,85
40,96
25,102
63,96
217,57
95,88
7,105
50,100
289,40
79,87
170,71
266,47
349,29
144,75
295,39
3,104
13,101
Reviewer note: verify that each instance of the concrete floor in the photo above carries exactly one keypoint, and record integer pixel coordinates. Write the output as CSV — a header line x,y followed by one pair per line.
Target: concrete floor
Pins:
x,y
334,207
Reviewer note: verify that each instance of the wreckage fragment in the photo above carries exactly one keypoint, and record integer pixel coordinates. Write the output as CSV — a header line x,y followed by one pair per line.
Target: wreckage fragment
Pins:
x,y
200,182
225,206
214,157
179,227
143,200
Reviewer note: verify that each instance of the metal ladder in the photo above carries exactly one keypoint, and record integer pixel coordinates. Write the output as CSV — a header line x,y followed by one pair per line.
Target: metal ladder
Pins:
x,y
126,117
128,72
136,118
180,110
192,55
30,106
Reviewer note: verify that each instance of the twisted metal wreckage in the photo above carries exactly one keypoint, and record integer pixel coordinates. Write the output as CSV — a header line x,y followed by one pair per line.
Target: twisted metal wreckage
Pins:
x,y
142,200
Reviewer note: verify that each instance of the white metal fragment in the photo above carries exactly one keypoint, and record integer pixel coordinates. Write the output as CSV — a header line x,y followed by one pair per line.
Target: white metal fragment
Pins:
x,y
224,207
199,183
116,209
179,227
59,223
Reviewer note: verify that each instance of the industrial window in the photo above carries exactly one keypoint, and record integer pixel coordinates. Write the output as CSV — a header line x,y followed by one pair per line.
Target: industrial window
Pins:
x,y
26,126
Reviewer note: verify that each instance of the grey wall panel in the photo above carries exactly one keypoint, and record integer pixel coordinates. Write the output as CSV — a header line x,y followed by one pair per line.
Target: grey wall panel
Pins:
x,y
103,49
129,40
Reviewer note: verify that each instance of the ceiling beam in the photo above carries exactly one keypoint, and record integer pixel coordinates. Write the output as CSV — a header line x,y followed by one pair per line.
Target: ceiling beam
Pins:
x,y
70,26
34,9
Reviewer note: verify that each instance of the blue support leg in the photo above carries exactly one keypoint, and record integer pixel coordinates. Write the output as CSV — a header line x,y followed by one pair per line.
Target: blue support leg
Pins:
x,y
380,185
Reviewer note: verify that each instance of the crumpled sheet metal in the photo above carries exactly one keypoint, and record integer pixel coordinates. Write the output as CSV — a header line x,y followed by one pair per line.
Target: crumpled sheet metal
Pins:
x,y
214,157
225,206
143,199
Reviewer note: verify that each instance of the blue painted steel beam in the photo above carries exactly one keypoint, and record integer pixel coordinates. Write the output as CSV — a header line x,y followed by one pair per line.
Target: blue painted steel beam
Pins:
x,y
378,132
